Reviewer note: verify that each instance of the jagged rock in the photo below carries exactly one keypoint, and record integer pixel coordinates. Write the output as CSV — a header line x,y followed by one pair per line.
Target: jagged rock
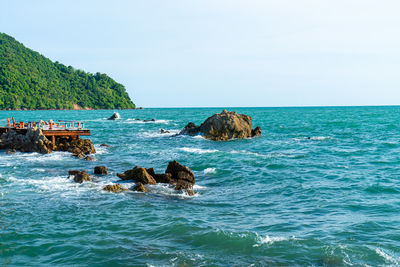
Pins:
x,y
180,172
190,129
81,176
100,170
256,131
137,174
163,131
181,176
72,172
176,174
79,155
88,158
32,141
150,171
185,186
114,116
223,126
115,188
139,188
163,178
80,148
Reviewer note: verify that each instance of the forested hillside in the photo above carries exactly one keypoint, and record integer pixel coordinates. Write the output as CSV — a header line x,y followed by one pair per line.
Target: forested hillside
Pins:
x,y
29,80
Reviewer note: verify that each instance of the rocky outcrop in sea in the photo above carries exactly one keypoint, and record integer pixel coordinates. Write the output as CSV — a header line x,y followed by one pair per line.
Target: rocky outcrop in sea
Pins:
x,y
176,174
223,126
35,141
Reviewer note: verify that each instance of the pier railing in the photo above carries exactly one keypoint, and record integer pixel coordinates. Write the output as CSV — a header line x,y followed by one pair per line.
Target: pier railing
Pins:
x,y
72,130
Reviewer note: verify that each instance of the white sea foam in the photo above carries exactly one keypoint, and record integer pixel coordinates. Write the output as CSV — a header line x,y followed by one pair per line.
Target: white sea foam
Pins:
x,y
388,258
132,121
153,134
198,150
244,152
39,170
36,157
168,190
101,149
271,240
210,171
49,184
314,138
199,187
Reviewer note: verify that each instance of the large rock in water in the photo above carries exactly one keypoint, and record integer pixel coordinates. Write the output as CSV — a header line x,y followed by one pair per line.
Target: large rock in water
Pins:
x,y
100,170
33,141
181,176
139,175
80,176
114,116
224,126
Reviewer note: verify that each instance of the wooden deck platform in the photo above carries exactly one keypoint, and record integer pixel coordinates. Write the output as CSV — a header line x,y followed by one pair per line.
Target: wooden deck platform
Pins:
x,y
50,130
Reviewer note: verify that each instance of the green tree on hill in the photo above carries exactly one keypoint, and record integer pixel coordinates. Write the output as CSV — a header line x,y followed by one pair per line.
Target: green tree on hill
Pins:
x,y
32,81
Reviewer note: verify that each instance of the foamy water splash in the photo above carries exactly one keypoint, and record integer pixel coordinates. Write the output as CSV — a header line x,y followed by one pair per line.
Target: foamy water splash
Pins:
x,y
210,171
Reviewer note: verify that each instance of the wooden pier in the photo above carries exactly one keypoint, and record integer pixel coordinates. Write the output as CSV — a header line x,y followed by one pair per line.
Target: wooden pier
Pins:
x,y
70,130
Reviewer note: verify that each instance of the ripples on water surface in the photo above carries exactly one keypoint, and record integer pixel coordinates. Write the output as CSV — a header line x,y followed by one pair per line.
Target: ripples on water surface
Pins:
x,y
319,187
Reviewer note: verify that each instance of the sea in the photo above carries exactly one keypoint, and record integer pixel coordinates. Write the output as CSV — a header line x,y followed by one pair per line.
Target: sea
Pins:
x,y
319,187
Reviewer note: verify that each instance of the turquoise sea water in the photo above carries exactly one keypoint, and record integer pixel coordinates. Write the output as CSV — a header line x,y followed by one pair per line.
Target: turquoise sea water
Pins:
x,y
320,187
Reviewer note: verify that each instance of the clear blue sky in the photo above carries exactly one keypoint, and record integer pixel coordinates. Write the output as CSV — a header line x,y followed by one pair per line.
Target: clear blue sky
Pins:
x,y
223,53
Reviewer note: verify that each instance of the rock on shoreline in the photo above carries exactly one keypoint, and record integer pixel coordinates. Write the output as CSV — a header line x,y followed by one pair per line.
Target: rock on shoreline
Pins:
x,y
223,126
35,141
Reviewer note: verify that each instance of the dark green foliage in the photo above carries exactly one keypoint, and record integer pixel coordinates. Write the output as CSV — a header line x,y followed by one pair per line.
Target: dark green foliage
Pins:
x,y
32,81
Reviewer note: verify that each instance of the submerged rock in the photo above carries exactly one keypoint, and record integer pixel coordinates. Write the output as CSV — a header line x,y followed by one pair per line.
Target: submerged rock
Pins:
x,y
100,170
88,158
114,188
137,174
139,188
105,145
80,176
223,126
114,116
163,131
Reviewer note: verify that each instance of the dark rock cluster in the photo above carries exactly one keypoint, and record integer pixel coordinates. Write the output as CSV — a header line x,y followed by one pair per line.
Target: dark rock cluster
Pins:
x,y
79,148
35,141
176,174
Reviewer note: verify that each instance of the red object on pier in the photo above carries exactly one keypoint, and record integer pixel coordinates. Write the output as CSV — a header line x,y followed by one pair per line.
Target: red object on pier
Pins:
x,y
13,122
9,124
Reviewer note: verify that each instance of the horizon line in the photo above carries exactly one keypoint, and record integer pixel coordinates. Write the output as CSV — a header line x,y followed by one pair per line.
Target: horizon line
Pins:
x,y
306,106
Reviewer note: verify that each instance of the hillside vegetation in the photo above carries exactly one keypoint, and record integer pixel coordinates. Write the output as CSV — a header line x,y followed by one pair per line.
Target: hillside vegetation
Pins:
x,y
29,80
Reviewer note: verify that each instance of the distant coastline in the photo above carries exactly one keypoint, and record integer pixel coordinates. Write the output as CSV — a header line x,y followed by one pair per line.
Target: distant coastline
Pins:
x,y
25,109
30,81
